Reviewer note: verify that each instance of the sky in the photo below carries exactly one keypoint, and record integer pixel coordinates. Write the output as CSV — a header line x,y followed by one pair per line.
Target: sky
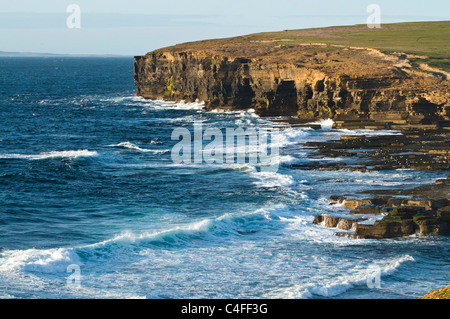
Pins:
x,y
134,27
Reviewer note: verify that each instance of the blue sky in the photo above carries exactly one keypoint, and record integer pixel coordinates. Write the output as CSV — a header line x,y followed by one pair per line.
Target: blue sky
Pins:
x,y
134,27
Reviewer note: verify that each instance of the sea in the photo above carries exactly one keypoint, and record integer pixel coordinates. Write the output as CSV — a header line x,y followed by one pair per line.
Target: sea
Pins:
x,y
93,205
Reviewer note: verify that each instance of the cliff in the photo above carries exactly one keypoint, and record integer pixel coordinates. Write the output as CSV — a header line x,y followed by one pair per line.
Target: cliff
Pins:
x,y
280,74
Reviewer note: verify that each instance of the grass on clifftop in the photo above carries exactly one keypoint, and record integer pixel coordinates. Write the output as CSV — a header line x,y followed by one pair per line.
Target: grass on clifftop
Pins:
x,y
428,40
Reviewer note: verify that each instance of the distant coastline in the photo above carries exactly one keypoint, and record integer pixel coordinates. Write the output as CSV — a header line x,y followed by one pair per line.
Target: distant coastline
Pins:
x,y
59,55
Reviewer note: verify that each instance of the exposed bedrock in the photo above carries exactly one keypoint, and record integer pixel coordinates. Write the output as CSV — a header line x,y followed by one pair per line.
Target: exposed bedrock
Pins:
x,y
348,86
425,212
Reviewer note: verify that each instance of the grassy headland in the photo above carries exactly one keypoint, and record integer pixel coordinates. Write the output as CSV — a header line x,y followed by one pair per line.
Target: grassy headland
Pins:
x,y
427,41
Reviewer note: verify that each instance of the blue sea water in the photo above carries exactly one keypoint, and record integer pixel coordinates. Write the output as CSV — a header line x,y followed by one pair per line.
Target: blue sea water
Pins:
x,y
87,179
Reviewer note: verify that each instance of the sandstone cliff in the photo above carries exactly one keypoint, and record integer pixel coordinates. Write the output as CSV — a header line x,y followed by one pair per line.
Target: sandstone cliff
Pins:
x,y
308,81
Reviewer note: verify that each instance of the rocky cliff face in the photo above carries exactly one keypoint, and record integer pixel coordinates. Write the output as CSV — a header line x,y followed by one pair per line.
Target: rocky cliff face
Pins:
x,y
349,85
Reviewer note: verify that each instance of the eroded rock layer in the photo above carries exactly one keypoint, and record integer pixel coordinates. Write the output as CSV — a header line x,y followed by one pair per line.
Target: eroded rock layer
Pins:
x,y
423,210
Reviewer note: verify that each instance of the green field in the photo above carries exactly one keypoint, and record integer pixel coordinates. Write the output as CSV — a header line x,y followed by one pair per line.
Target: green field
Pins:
x,y
430,40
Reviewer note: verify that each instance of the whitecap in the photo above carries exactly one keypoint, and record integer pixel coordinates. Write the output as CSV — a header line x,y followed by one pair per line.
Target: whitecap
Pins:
x,y
168,105
36,260
132,146
49,155
326,124
272,179
357,276
289,136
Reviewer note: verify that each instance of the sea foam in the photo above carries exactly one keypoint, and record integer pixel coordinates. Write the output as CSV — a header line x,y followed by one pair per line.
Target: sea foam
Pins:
x,y
339,285
37,260
51,155
132,146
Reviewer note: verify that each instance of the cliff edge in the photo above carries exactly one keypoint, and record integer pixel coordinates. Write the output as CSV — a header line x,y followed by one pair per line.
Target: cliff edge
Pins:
x,y
443,293
312,74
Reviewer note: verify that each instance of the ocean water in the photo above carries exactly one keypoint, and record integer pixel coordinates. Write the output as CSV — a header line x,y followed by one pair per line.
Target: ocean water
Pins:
x,y
93,206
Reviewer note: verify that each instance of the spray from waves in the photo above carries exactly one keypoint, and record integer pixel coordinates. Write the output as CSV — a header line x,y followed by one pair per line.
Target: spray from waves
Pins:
x,y
57,260
131,100
249,112
37,271
290,136
326,124
166,105
35,260
173,236
343,283
205,229
272,179
51,155
132,146
43,274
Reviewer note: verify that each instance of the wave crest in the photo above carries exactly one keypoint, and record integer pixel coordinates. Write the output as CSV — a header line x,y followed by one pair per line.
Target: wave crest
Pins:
x,y
132,146
44,261
51,155
344,282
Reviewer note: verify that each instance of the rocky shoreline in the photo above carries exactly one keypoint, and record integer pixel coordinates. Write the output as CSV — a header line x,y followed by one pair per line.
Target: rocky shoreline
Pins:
x,y
410,149
283,76
423,210
388,213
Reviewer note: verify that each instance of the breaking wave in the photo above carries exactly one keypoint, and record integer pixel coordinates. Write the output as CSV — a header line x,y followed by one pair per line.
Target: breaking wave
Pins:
x,y
51,155
358,277
132,146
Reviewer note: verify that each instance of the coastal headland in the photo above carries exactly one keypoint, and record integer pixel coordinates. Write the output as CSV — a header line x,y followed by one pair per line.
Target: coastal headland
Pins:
x,y
392,77
396,77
